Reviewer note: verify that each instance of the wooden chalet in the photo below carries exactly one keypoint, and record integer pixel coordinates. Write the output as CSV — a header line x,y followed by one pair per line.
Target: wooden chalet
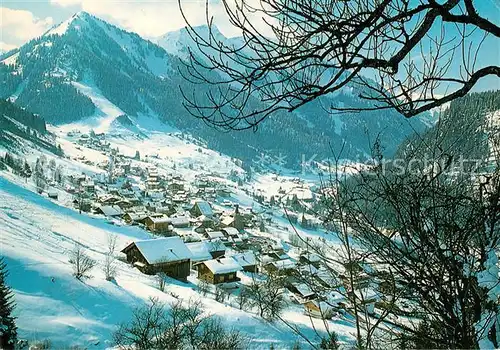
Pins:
x,y
201,208
217,271
158,224
110,210
319,309
135,217
216,248
169,255
246,260
280,267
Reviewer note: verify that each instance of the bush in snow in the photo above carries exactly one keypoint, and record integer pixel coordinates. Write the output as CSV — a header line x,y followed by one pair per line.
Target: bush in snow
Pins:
x,y
178,326
268,297
203,287
161,281
220,294
81,262
8,329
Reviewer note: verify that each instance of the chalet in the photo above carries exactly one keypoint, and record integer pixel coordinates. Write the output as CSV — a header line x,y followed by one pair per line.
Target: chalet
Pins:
x,y
246,260
307,270
180,221
53,194
280,267
215,235
201,208
110,210
108,199
302,292
219,271
158,224
200,251
135,218
169,255
319,309
205,221
216,248
124,204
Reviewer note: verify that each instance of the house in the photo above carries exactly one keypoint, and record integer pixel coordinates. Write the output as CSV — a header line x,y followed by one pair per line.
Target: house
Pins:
x,y
302,292
158,224
319,309
110,210
135,218
180,221
215,235
216,248
232,234
246,260
169,255
201,208
200,251
53,194
280,267
219,271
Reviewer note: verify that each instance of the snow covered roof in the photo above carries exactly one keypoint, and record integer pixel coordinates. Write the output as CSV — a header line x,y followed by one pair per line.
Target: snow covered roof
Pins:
x,y
181,220
160,220
161,250
204,208
216,245
227,220
283,264
231,231
200,251
303,289
224,265
215,234
111,210
245,259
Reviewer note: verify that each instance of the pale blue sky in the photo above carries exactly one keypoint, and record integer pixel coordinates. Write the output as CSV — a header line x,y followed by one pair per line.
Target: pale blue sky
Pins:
x,y
22,20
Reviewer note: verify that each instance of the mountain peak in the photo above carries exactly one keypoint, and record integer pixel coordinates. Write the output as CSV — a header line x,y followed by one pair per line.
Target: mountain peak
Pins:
x,y
76,21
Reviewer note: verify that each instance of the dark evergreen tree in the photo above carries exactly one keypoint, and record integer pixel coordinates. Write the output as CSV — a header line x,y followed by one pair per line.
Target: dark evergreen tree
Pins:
x,y
8,329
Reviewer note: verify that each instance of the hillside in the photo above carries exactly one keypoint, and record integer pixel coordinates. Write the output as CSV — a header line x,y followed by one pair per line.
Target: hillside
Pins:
x,y
18,126
56,75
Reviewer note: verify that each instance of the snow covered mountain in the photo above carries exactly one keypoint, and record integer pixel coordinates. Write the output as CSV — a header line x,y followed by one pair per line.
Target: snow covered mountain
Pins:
x,y
86,68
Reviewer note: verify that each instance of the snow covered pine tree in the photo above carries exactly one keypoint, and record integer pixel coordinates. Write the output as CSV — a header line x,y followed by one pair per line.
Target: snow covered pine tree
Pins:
x,y
8,329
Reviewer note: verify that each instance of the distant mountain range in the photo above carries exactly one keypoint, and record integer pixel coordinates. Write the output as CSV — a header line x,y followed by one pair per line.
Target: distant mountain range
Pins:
x,y
52,75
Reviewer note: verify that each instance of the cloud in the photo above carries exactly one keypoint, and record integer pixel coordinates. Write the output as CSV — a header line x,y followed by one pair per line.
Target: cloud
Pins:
x,y
4,47
18,26
66,3
154,18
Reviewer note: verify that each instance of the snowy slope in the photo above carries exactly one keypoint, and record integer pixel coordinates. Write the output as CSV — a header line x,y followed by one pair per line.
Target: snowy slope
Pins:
x,y
37,235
